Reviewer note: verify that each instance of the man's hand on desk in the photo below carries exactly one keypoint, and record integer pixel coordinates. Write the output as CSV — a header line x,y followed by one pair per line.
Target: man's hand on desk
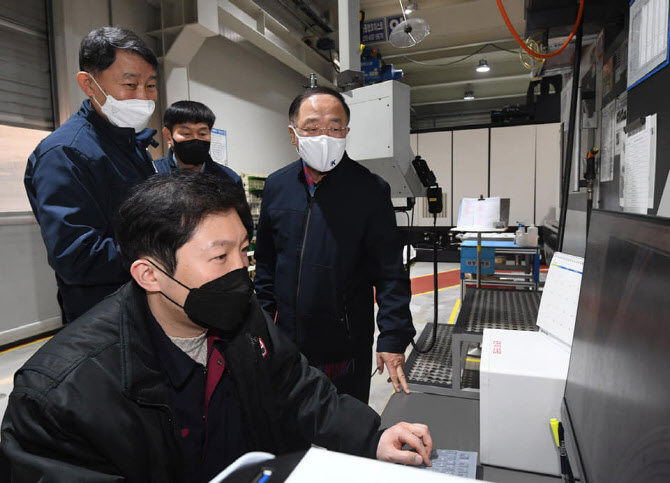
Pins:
x,y
395,363
416,436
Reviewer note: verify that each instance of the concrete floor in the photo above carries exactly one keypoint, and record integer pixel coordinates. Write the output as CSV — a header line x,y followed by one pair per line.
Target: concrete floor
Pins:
x,y
422,312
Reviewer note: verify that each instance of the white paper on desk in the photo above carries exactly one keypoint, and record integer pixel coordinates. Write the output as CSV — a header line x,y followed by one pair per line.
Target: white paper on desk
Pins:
x,y
330,467
244,460
640,168
474,212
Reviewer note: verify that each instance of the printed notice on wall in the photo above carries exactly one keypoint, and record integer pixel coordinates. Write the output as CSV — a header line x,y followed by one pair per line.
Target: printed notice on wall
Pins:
x,y
620,138
219,147
647,38
640,167
607,134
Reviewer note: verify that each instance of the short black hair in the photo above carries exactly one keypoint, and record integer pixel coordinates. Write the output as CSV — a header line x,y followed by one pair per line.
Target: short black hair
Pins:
x,y
162,213
97,50
313,91
188,111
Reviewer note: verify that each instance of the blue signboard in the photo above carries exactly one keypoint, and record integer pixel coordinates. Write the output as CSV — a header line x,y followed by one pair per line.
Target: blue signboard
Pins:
x,y
373,31
393,22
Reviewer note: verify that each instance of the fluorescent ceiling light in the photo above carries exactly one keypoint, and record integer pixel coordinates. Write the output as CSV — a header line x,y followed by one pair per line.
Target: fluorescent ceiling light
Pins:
x,y
469,95
483,66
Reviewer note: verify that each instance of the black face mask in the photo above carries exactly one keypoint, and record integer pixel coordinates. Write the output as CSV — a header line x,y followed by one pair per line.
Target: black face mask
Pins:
x,y
221,304
193,152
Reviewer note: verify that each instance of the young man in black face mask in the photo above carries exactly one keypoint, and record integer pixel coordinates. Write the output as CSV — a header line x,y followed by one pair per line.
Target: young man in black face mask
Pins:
x,y
187,128
180,371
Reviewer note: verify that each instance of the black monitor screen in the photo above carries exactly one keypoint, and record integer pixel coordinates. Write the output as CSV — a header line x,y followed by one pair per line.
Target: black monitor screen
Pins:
x,y
617,395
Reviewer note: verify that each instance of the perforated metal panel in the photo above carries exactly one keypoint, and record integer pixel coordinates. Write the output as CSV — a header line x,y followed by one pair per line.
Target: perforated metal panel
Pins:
x,y
433,368
499,309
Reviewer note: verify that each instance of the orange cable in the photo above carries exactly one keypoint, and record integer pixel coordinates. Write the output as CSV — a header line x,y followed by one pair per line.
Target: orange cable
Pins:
x,y
523,44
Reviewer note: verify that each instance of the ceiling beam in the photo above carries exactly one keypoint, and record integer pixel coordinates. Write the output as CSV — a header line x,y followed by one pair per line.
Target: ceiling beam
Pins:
x,y
451,101
471,81
451,47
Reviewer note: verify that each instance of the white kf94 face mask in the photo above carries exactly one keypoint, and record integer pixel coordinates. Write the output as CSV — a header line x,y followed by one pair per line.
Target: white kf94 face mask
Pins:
x,y
321,153
133,113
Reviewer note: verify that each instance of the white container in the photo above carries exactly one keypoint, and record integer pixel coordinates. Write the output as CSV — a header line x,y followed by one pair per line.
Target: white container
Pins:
x,y
533,236
522,379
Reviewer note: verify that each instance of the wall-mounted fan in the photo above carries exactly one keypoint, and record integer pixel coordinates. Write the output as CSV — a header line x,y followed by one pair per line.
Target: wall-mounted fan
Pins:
x,y
409,32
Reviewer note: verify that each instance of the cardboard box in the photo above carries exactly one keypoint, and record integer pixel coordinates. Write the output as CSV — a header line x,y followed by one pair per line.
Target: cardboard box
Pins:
x,y
522,379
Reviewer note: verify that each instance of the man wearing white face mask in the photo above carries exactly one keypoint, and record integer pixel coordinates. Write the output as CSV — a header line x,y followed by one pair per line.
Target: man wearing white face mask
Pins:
x,y
78,176
326,237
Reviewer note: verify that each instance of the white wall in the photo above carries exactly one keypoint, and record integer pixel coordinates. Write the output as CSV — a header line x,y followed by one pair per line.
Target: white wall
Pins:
x,y
250,93
523,164
471,166
513,170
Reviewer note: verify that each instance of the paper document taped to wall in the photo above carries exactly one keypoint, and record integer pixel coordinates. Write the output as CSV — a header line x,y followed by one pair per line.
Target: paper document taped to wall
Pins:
x,y
219,148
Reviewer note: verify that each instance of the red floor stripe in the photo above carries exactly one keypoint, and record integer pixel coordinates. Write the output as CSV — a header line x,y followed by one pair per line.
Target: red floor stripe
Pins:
x,y
449,278
424,283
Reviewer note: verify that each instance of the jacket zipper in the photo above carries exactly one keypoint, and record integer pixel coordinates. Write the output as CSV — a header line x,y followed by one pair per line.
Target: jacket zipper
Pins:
x,y
346,322
304,240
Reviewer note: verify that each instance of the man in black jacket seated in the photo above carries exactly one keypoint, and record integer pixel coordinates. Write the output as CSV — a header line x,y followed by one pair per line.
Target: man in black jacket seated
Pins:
x,y
180,372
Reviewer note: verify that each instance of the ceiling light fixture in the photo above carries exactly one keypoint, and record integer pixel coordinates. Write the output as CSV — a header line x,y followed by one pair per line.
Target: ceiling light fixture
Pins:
x,y
411,7
468,96
483,66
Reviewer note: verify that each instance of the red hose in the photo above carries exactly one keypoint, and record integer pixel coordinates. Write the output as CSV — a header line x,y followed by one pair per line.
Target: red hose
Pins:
x,y
523,44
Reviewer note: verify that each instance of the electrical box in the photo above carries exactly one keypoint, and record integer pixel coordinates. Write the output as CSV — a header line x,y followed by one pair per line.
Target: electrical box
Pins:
x,y
379,136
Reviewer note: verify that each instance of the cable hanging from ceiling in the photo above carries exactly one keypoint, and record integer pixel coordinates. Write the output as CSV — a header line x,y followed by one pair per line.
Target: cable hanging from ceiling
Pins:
x,y
479,50
526,47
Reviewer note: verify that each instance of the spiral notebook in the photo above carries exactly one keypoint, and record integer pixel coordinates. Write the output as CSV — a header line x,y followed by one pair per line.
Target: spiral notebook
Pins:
x,y
560,297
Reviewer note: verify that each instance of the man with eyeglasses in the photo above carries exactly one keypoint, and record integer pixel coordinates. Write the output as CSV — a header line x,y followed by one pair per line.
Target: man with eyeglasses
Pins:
x,y
327,244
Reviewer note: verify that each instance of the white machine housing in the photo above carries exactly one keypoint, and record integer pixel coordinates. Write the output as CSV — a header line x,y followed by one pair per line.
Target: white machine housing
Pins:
x,y
379,136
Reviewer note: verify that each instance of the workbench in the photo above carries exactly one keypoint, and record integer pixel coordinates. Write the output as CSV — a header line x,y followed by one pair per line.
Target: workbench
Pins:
x,y
527,275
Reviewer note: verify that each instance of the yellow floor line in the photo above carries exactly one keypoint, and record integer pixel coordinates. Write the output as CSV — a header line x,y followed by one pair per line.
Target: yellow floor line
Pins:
x,y
454,312
26,344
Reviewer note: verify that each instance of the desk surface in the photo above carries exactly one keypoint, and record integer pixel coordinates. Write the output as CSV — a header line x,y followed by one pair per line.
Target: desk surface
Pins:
x,y
454,424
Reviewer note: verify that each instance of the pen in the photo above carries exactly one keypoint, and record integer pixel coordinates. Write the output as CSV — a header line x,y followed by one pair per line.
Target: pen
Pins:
x,y
263,477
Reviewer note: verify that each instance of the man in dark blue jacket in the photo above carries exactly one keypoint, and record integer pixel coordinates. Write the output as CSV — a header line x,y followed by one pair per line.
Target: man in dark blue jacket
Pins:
x,y
326,236
187,128
78,176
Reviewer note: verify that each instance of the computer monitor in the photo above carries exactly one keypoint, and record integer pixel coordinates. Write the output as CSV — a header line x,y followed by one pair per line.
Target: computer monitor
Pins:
x,y
616,406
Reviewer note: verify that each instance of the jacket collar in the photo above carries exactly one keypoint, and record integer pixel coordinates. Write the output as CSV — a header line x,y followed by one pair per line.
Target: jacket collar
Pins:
x,y
336,172
141,373
205,168
120,135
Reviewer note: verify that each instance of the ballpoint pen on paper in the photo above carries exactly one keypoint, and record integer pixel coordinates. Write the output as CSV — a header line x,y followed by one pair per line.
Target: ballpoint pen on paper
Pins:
x,y
264,476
